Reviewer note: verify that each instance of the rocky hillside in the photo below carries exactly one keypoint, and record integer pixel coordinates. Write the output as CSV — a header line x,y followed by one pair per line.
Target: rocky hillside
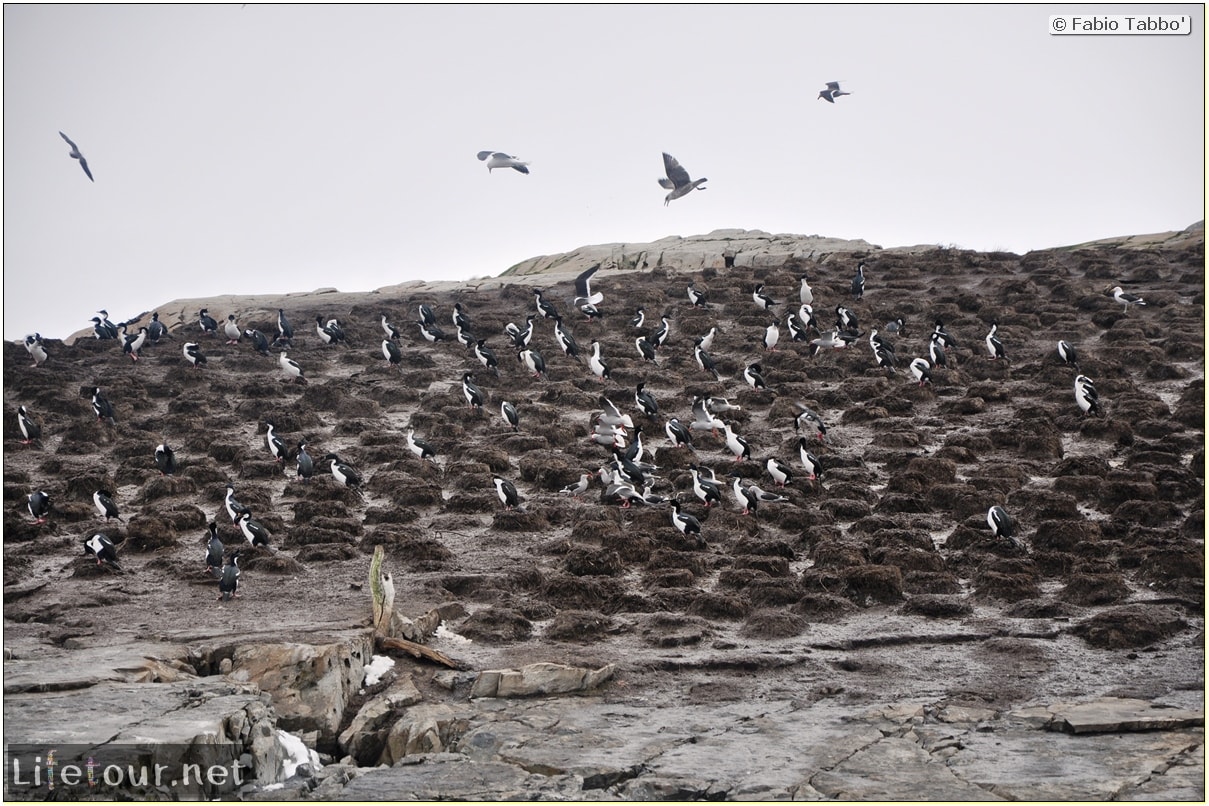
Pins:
x,y
799,648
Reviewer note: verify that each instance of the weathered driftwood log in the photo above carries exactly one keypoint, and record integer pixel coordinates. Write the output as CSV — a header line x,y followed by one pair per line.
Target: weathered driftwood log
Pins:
x,y
382,589
420,629
386,644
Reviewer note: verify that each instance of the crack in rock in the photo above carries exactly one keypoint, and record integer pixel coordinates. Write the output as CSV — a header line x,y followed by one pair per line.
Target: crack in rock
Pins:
x,y
846,758
1181,758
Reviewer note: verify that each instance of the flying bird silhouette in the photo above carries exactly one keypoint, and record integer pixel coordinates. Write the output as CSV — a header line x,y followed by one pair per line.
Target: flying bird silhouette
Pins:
x,y
677,180
76,155
583,288
498,159
832,92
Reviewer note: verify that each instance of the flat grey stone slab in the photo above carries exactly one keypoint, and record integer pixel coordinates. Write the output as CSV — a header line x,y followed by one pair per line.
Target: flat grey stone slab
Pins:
x,y
444,776
126,713
1049,766
1118,715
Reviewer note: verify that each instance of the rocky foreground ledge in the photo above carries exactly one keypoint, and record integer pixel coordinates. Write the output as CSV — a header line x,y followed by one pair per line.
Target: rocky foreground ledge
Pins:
x,y
558,732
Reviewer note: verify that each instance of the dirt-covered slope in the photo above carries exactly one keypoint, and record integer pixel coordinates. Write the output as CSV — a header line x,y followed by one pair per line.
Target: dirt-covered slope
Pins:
x,y
1108,561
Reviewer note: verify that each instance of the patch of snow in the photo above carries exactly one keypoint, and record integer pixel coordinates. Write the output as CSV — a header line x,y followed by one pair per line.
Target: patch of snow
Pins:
x,y
378,666
446,634
296,754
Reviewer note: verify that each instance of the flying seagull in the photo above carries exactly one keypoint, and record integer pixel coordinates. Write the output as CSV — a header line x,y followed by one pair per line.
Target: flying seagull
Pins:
x,y
76,155
583,289
677,180
832,92
498,159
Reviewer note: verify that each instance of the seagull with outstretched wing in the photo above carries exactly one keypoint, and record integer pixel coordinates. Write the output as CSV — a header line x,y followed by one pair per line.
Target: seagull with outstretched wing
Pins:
x,y
703,419
583,289
498,159
832,92
677,180
76,155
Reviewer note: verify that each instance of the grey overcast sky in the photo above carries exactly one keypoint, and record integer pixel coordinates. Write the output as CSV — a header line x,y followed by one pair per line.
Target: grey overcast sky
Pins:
x,y
275,148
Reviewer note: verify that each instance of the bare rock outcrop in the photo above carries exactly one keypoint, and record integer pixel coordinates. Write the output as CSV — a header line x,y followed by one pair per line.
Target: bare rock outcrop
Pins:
x,y
310,684
539,678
